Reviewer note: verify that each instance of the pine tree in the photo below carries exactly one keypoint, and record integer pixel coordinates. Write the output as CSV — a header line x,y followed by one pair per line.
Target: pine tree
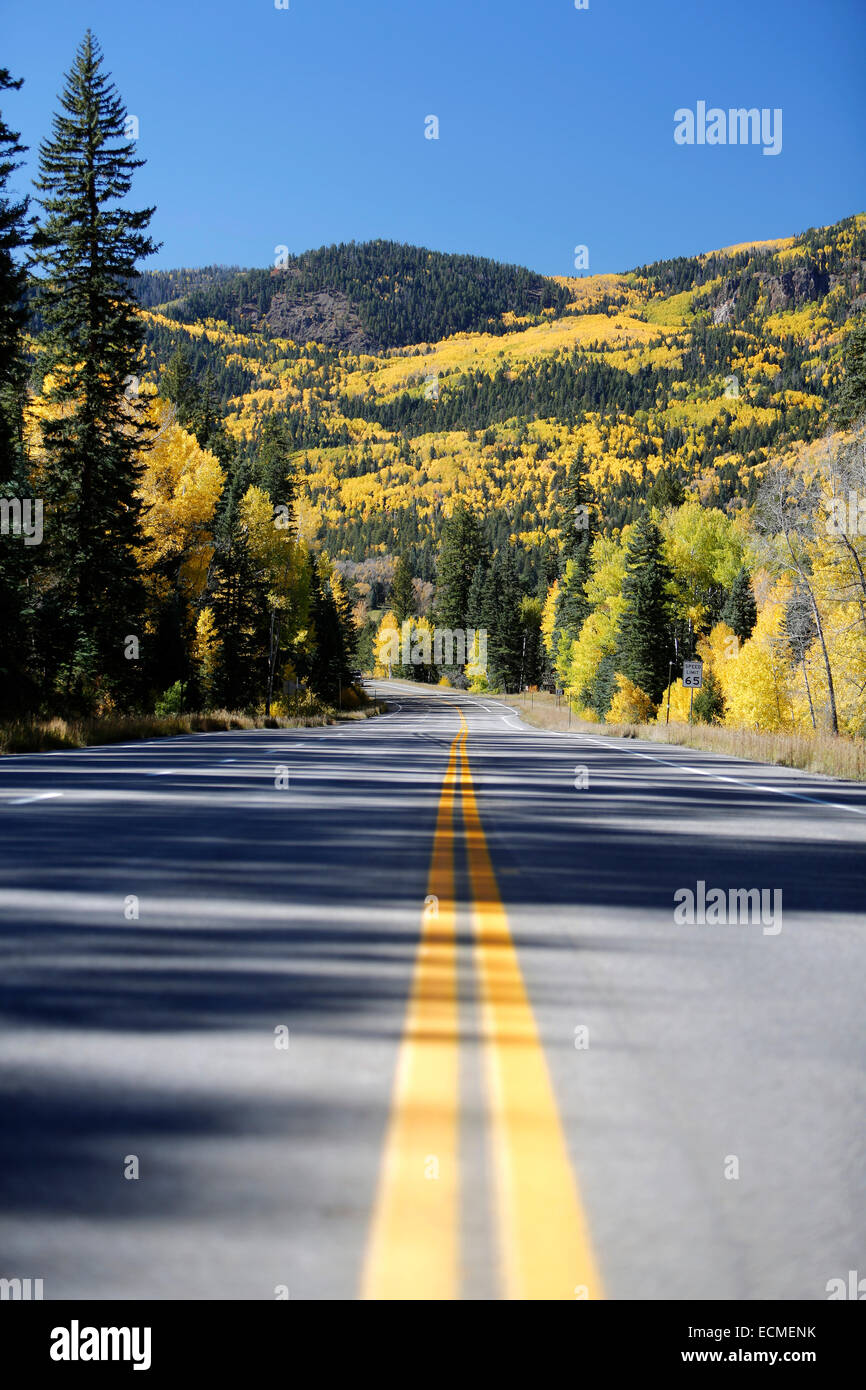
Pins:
x,y
461,549
852,401
576,511
666,491
740,611
505,640
205,420
402,591
548,569
17,690
178,385
477,614
326,666
238,600
533,648
13,240
578,526
87,249
273,470
709,702
572,605
644,644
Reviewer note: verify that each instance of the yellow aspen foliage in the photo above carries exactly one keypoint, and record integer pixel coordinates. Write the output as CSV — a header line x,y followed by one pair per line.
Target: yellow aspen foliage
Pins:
x,y
581,659
757,683
630,704
281,559
205,645
548,616
386,645
704,550
679,707
578,661
421,641
268,544
719,648
180,486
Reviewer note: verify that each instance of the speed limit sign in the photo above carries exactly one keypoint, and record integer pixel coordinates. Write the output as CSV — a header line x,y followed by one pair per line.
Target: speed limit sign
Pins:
x,y
693,674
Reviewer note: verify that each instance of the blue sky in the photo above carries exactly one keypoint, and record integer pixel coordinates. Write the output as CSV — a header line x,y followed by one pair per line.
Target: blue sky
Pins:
x,y
298,127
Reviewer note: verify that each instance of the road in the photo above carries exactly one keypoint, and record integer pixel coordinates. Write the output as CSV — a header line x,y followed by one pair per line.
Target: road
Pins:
x,y
400,1008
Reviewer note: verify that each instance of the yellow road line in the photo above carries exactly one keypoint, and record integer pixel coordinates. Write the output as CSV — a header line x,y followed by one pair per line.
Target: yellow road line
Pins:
x,y
414,1244
543,1235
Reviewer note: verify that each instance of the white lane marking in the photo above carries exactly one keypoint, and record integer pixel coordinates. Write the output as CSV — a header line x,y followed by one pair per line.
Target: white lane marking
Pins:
x,y
157,772
28,800
714,776
753,786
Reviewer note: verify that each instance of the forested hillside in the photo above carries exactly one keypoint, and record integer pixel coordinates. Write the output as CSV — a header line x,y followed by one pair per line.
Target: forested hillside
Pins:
x,y
661,407
381,294
251,479
695,370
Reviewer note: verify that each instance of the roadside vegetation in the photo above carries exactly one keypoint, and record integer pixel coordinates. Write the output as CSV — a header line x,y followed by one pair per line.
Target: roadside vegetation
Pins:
x,y
40,736
826,754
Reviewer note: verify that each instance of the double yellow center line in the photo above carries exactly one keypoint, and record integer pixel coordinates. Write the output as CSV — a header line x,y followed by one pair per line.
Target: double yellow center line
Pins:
x,y
543,1243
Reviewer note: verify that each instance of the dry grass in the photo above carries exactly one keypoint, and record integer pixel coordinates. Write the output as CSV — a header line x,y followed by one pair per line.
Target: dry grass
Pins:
x,y
39,736
820,753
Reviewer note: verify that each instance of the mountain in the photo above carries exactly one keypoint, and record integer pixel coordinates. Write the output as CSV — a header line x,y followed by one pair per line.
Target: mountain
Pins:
x,y
375,295
407,377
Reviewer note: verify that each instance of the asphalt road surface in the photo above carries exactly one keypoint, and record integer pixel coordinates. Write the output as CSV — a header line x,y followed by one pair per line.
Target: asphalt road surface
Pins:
x,y
402,1009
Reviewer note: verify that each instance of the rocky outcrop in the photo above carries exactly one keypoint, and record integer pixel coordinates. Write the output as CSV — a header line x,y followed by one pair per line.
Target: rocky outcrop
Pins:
x,y
323,317
800,285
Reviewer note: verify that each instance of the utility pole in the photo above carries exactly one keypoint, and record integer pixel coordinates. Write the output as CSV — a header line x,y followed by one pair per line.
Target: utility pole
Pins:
x,y
668,715
272,663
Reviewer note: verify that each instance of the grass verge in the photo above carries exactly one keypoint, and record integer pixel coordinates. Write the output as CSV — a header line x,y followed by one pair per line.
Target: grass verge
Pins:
x,y
822,753
44,735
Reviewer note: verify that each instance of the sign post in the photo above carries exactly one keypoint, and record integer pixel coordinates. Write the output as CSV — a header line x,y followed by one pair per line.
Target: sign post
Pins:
x,y
693,679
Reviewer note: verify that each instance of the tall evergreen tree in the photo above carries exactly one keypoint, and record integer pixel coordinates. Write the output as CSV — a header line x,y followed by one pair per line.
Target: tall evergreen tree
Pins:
x,y
852,401
178,384
273,469
533,664
578,526
477,612
14,238
87,252
576,511
740,611
326,667
205,419
644,645
16,559
666,491
506,634
239,602
461,549
402,591
548,568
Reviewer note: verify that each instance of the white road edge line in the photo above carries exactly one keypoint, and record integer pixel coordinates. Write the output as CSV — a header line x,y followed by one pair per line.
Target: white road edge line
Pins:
x,y
700,772
28,800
